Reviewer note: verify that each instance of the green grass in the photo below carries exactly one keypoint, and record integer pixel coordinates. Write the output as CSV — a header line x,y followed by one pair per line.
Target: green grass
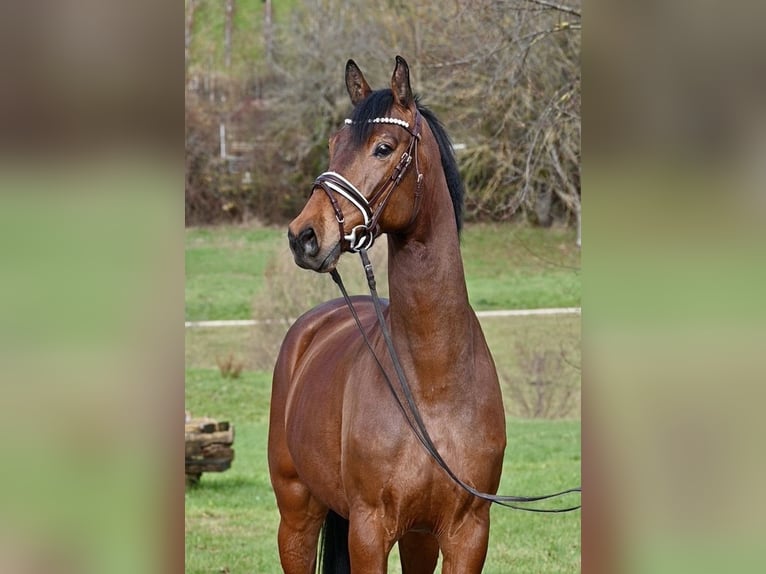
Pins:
x,y
507,267
521,267
224,268
511,340
231,517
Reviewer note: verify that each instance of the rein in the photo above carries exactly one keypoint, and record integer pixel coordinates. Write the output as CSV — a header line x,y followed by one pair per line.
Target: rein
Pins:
x,y
410,410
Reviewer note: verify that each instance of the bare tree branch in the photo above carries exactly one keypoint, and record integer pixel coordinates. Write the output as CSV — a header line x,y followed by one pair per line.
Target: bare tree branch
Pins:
x,y
229,25
493,70
554,6
191,7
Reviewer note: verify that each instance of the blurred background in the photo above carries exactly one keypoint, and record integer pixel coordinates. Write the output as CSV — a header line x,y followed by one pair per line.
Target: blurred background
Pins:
x,y
91,286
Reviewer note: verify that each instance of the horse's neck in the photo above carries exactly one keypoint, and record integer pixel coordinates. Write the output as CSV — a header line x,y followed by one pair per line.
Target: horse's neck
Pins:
x,y
426,280
429,310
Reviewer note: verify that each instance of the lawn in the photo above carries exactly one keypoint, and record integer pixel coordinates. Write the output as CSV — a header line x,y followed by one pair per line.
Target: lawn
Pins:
x,y
507,267
231,518
521,267
224,268
243,272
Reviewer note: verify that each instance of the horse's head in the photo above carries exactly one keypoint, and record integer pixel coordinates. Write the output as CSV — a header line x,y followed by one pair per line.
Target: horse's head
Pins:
x,y
373,184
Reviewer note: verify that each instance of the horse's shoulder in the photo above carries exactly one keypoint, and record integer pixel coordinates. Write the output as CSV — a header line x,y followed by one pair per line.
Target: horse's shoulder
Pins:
x,y
321,329
334,315
336,310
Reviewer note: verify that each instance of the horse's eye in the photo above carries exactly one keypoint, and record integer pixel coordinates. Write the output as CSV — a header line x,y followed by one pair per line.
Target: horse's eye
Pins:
x,y
383,150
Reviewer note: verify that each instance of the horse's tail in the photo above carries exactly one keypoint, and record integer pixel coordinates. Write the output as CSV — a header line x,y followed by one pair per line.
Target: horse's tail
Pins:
x,y
333,547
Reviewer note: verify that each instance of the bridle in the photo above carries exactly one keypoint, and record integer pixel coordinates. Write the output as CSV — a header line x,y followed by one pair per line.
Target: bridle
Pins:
x,y
361,238
363,235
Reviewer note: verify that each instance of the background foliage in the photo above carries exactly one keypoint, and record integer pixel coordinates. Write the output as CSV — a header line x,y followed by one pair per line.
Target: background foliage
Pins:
x,y
503,75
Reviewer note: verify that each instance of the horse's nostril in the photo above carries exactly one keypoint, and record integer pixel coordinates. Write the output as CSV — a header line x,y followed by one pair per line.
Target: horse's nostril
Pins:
x,y
307,240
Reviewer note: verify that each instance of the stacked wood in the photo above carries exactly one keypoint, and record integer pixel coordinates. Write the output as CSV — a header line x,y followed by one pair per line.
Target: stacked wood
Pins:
x,y
208,447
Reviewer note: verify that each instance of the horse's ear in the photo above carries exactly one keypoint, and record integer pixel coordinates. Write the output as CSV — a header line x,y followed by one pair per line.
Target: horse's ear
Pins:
x,y
400,83
357,86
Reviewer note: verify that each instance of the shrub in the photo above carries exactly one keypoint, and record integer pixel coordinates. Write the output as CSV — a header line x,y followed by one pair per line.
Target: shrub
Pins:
x,y
291,291
545,384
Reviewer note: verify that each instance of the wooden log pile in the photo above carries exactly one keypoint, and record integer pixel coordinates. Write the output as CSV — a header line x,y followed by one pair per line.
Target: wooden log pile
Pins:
x,y
208,447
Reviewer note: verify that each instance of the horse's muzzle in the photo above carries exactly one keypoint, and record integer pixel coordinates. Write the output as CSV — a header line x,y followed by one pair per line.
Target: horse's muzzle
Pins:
x,y
305,243
307,251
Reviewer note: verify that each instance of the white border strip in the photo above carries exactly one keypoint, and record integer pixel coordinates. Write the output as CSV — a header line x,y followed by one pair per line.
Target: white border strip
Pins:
x,y
496,313
528,312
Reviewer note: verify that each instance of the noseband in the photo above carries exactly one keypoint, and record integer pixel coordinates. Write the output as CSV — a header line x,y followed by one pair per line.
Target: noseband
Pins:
x,y
362,236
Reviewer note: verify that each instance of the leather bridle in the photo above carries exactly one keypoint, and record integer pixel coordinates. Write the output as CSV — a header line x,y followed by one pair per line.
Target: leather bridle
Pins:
x,y
363,235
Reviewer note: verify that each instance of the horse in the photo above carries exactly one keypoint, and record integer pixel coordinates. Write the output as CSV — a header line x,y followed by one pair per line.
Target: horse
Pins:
x,y
343,458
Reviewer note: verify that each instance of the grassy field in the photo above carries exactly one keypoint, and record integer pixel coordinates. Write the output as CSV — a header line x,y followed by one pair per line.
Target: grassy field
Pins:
x,y
507,267
224,269
231,518
553,340
241,272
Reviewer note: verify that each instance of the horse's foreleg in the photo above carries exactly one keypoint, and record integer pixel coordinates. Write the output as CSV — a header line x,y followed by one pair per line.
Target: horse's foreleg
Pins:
x,y
465,548
419,552
369,543
301,518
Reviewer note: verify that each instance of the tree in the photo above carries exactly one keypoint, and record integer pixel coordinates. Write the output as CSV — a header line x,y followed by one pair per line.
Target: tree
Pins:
x,y
502,74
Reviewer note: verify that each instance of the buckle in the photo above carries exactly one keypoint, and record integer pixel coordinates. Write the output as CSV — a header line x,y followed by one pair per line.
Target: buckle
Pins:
x,y
363,241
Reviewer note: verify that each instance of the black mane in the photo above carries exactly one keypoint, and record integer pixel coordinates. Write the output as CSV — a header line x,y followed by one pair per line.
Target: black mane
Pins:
x,y
377,105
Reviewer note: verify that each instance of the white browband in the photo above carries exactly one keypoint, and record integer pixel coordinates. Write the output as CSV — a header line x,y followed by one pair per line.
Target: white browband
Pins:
x,y
395,121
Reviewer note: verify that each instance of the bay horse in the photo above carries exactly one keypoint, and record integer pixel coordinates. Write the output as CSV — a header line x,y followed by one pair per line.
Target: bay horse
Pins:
x,y
341,453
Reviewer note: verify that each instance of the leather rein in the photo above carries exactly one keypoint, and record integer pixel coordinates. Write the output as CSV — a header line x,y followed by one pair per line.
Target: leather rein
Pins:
x,y
361,238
